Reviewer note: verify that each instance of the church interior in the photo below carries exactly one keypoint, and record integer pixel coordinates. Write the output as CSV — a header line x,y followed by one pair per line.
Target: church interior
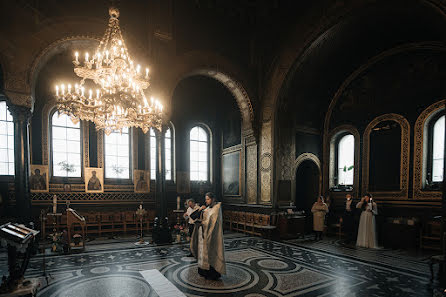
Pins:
x,y
222,148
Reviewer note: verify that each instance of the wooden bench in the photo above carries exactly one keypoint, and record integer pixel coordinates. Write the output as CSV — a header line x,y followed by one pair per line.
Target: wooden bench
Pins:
x,y
249,223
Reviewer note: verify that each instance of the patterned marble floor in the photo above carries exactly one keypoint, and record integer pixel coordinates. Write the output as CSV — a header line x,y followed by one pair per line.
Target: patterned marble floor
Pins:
x,y
256,267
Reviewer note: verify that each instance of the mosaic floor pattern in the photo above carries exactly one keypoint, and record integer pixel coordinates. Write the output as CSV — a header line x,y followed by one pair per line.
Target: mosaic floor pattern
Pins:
x,y
256,267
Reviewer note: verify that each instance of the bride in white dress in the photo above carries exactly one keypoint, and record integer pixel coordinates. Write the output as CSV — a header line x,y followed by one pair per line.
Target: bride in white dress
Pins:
x,y
367,228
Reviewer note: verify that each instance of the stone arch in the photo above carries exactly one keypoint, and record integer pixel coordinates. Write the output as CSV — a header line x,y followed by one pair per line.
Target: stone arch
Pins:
x,y
405,155
299,160
222,70
419,168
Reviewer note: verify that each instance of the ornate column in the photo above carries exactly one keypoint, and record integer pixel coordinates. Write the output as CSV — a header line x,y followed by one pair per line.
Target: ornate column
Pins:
x,y
22,116
160,194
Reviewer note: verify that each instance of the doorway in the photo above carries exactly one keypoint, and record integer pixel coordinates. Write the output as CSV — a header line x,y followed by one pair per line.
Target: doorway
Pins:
x,y
307,188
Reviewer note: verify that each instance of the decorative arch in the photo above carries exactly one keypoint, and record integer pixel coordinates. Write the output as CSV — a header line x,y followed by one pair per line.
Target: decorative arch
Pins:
x,y
405,153
299,160
330,157
420,145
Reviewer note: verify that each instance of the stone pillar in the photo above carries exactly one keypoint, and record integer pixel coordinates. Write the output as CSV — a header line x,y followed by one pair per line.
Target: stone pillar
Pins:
x,y
160,195
22,116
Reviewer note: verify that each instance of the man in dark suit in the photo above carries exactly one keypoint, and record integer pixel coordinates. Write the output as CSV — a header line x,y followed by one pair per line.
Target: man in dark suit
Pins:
x,y
348,219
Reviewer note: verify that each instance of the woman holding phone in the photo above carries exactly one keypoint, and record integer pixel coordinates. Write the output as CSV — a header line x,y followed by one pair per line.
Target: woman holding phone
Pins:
x,y
367,227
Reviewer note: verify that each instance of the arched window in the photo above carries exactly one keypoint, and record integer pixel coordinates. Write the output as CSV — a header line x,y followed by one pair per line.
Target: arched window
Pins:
x,y
438,150
65,146
117,154
168,149
6,141
346,159
152,154
199,154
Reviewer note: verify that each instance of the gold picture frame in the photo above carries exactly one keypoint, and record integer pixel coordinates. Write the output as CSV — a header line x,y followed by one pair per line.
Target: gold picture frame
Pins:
x,y
94,180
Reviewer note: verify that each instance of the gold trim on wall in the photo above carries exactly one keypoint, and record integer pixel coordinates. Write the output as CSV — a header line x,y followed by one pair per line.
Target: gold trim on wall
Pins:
x,y
405,153
100,144
419,164
330,157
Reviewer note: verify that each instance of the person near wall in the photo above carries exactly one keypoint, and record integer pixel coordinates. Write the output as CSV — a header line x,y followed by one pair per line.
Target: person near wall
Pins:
x,y
348,219
367,227
207,240
319,210
191,207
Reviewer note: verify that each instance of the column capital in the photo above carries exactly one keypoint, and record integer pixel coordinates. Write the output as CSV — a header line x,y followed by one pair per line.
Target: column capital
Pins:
x,y
20,113
19,98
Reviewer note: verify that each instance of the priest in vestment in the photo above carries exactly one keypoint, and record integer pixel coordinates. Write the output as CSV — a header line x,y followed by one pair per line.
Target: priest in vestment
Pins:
x,y
207,240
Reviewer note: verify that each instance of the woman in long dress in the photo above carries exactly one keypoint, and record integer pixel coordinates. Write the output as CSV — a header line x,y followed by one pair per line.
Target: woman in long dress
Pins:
x,y
319,210
367,227
207,240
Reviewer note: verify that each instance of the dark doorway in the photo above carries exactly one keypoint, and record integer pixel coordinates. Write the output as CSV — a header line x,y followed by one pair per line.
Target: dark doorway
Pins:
x,y
307,188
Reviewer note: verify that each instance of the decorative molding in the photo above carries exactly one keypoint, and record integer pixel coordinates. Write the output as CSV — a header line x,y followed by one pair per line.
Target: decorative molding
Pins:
x,y
405,153
18,98
251,174
420,141
100,142
329,157
265,162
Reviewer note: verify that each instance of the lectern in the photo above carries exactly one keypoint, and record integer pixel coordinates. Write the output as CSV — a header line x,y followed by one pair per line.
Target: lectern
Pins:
x,y
19,241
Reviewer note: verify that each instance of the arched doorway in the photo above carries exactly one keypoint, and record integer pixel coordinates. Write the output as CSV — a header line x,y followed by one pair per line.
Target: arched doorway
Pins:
x,y
307,188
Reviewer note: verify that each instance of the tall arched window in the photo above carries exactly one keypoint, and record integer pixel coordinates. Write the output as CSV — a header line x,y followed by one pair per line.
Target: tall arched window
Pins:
x,y
65,146
199,154
168,153
152,154
117,154
6,141
346,159
438,150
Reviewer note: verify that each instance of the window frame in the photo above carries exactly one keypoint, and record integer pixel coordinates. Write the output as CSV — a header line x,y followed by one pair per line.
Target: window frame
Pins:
x,y
60,179
9,177
209,153
120,181
430,151
172,153
338,139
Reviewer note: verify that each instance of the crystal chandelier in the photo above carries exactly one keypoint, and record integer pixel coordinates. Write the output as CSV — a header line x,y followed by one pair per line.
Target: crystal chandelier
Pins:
x,y
119,100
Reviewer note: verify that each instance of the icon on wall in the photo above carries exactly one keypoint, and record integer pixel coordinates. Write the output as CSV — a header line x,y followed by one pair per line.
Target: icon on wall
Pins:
x,y
141,181
94,180
38,181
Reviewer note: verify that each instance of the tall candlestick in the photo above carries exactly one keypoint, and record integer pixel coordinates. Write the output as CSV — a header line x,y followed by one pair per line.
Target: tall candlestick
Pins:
x,y
54,204
178,202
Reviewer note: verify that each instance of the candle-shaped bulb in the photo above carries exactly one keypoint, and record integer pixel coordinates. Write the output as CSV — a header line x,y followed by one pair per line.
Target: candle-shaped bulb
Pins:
x,y
83,91
76,55
147,72
86,57
69,88
97,93
57,90
106,54
63,89
91,94
138,68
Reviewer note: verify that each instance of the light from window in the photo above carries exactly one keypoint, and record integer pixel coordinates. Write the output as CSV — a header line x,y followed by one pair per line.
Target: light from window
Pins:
x,y
152,154
6,141
117,154
199,156
346,157
438,150
168,153
66,146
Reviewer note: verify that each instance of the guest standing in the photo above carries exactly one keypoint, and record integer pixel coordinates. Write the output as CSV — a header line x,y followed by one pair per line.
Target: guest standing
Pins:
x,y
348,219
207,240
319,210
367,227
192,206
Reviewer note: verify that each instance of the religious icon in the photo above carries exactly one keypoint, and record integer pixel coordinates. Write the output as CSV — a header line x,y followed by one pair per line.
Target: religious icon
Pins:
x,y
141,181
38,181
94,180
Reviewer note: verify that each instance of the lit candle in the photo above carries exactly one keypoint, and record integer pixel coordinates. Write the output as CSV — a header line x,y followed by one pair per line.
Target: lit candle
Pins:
x,y
138,68
97,93
54,204
106,54
63,89
69,88
83,90
76,55
91,94
57,90
86,57
145,102
147,72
